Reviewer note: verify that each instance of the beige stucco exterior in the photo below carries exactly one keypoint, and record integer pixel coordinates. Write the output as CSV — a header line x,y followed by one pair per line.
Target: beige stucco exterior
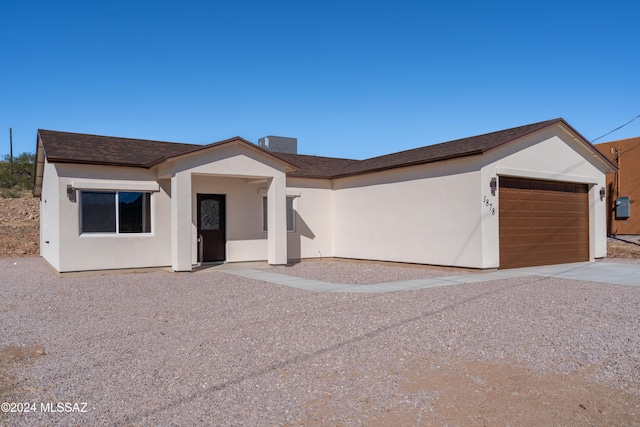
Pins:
x,y
68,250
439,213
427,214
554,154
314,218
235,171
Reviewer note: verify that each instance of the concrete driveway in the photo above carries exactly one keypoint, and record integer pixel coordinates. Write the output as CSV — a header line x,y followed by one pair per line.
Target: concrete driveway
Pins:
x,y
600,272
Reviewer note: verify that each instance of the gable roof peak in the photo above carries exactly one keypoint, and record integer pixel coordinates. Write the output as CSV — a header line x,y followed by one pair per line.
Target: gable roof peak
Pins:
x,y
463,147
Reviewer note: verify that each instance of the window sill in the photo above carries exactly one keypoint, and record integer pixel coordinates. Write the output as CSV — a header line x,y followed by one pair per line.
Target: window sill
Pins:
x,y
119,235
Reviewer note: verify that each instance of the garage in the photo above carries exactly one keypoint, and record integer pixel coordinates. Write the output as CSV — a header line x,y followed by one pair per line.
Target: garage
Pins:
x,y
542,222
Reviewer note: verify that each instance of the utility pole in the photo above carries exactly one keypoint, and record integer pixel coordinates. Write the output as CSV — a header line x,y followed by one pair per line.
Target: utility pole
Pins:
x,y
616,182
11,153
11,148
617,152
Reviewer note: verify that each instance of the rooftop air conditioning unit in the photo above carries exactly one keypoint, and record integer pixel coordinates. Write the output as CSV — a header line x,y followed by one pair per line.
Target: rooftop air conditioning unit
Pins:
x,y
279,144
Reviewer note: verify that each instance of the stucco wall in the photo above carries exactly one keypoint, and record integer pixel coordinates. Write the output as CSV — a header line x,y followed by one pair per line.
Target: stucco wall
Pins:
x,y
235,171
79,252
49,218
238,172
428,214
314,217
439,213
549,155
245,239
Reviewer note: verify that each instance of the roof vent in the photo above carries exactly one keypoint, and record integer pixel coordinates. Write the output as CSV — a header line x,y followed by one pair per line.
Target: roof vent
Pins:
x,y
279,144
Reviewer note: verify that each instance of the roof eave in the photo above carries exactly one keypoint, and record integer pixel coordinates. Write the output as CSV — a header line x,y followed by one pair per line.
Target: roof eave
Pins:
x,y
550,123
597,153
38,166
97,163
289,167
404,165
310,176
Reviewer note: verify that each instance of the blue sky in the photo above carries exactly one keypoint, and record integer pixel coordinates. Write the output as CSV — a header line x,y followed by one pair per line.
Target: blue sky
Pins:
x,y
348,79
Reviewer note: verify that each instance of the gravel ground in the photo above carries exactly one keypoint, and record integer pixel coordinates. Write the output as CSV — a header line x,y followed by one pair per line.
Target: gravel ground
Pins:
x,y
352,272
214,349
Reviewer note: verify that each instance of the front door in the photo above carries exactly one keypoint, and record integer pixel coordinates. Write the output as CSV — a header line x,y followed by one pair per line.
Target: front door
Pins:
x,y
211,227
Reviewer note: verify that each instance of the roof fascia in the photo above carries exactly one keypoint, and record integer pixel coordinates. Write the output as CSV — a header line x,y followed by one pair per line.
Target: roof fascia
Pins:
x,y
38,166
289,167
404,165
455,156
526,134
97,163
608,163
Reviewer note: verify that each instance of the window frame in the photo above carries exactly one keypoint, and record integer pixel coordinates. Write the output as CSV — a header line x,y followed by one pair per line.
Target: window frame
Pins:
x,y
265,209
117,232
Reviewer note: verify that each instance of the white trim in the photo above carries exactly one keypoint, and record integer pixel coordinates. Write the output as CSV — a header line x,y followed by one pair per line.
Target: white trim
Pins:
x,y
523,173
116,185
290,193
117,231
293,213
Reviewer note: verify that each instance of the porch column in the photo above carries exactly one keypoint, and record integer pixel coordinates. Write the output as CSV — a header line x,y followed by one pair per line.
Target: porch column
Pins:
x,y
181,245
277,220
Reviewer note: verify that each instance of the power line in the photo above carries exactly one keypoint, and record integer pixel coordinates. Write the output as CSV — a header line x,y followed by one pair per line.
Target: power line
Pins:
x,y
619,127
632,148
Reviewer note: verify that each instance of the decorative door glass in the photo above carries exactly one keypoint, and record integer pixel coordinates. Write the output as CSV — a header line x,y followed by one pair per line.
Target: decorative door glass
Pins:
x,y
209,214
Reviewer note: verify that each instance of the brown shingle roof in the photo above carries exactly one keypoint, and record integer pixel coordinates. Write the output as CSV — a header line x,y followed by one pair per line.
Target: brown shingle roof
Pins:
x,y
67,147
93,149
315,166
327,167
446,150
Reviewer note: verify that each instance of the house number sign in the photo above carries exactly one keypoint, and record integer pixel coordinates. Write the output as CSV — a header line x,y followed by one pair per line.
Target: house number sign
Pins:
x,y
489,205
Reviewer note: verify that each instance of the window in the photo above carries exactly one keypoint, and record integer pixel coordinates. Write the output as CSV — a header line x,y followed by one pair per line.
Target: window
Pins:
x,y
291,218
100,215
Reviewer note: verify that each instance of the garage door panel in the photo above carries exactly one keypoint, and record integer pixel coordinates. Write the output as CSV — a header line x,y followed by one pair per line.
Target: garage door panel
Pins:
x,y
539,206
524,223
511,222
513,241
512,205
542,223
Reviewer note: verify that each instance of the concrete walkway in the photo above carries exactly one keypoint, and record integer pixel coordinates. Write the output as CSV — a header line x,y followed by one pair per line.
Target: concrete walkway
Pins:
x,y
601,272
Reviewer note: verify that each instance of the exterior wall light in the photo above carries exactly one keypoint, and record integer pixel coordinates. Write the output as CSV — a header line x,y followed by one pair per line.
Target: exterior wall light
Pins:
x,y
71,193
493,184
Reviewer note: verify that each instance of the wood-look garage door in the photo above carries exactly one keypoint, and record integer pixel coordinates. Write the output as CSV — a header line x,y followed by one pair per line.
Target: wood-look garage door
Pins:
x,y
542,222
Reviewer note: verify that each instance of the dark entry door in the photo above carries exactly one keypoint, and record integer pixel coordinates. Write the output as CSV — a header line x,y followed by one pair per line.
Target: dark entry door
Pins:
x,y
211,227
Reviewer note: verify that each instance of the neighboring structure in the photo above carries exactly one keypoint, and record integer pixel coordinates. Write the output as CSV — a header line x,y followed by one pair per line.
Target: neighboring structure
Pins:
x,y
530,195
623,186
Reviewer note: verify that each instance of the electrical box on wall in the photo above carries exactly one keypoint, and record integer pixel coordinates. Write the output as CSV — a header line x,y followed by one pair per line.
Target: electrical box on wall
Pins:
x,y
623,210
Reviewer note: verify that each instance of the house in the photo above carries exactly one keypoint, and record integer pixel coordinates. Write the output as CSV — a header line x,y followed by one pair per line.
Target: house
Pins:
x,y
530,195
623,187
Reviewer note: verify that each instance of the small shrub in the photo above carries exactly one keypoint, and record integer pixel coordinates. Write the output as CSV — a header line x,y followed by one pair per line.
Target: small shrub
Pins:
x,y
17,174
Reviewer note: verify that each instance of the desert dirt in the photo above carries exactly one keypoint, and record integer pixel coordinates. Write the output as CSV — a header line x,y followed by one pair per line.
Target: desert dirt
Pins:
x,y
465,392
19,227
